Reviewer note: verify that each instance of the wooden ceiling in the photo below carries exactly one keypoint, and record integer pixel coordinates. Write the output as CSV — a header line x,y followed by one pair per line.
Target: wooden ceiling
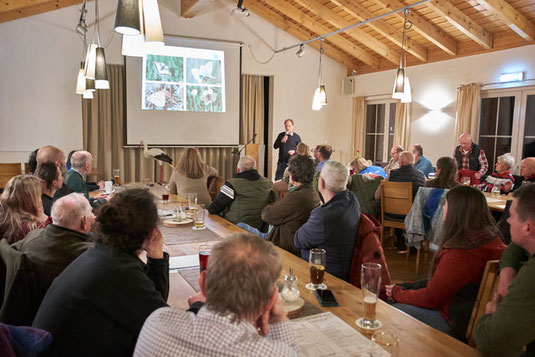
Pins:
x,y
441,29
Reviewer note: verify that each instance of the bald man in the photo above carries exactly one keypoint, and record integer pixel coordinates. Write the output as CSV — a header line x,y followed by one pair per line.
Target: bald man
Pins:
x,y
52,153
527,171
470,158
81,166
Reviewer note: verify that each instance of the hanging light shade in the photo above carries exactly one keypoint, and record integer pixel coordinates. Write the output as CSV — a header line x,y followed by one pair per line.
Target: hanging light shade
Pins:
x,y
90,61
316,101
407,95
153,25
80,82
89,85
87,95
133,46
101,75
399,84
127,17
323,95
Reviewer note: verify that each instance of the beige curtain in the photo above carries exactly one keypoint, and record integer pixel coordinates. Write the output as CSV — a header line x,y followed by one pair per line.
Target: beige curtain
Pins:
x,y
468,100
252,107
358,123
402,124
103,136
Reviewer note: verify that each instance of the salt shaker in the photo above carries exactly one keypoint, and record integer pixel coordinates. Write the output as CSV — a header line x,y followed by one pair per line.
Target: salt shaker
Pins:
x,y
290,293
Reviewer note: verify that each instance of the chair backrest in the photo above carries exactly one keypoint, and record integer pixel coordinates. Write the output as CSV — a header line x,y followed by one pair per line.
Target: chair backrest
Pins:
x,y
489,283
7,171
396,198
214,185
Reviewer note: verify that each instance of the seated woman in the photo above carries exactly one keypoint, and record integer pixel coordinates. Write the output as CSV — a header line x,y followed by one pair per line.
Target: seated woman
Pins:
x,y
21,208
469,239
502,176
361,166
191,175
98,304
52,181
446,173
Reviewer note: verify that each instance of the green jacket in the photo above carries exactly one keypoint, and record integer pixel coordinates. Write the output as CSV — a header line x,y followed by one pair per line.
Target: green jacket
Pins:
x,y
364,188
75,182
511,327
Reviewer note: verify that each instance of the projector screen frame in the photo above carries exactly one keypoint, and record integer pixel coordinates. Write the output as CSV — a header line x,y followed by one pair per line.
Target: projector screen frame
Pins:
x,y
197,41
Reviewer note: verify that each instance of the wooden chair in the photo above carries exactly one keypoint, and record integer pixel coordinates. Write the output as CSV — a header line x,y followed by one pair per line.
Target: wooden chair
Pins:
x,y
489,284
214,185
7,171
396,199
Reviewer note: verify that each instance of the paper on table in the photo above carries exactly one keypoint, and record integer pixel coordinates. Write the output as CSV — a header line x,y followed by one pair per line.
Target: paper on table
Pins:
x,y
327,335
490,200
184,261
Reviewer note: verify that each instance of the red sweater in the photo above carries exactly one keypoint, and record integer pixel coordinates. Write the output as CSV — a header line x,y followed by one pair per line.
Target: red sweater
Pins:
x,y
455,268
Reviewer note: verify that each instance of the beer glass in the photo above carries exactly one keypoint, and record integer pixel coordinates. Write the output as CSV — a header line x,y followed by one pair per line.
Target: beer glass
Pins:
x,y
198,217
495,191
316,259
370,278
117,176
192,203
465,180
387,341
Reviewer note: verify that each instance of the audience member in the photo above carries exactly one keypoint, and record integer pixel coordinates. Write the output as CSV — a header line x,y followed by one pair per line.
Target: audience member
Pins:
x,y
470,158
32,162
21,208
286,142
243,197
334,225
69,158
394,162
322,154
91,186
284,184
52,181
191,175
52,153
81,166
469,238
502,176
421,162
52,249
98,304
235,309
507,325
364,187
361,166
527,172
446,174
290,213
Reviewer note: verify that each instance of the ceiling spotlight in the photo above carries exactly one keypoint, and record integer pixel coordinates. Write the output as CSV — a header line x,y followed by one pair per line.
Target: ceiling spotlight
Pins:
x,y
240,10
301,51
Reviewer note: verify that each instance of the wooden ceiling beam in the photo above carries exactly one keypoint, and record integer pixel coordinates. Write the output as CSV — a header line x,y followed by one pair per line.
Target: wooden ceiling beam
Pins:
x,y
192,8
313,25
18,9
425,28
511,17
338,21
362,13
462,22
302,35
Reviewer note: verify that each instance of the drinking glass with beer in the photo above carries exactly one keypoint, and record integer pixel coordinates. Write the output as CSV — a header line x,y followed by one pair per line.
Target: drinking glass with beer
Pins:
x,y
465,180
495,191
198,217
192,204
316,259
370,278
204,253
117,177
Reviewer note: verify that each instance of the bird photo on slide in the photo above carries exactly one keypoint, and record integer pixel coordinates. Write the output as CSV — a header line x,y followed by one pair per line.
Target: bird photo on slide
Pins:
x,y
157,154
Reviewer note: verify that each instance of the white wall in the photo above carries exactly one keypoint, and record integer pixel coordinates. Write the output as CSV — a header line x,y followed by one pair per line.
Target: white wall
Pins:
x,y
434,92
40,57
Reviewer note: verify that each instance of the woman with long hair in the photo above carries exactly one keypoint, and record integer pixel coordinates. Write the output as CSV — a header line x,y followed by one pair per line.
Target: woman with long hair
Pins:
x,y
191,176
21,208
446,173
469,239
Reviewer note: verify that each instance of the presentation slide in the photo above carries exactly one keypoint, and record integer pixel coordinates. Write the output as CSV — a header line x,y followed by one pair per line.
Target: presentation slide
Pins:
x,y
186,93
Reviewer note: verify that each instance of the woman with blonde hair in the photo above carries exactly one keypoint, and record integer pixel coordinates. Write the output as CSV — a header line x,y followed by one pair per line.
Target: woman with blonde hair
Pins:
x,y
21,208
361,166
191,176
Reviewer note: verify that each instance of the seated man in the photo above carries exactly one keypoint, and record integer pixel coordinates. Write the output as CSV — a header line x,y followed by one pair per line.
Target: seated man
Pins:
x,y
81,165
527,172
322,153
421,163
52,153
394,162
507,325
234,310
52,249
334,225
242,198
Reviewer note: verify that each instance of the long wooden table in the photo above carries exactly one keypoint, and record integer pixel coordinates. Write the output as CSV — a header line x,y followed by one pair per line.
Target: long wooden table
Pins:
x,y
416,338
497,203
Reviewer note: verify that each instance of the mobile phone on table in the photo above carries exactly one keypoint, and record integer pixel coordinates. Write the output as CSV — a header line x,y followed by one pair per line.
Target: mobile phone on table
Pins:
x,y
326,297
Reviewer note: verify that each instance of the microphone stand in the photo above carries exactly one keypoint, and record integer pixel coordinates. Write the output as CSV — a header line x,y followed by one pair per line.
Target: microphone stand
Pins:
x,y
244,146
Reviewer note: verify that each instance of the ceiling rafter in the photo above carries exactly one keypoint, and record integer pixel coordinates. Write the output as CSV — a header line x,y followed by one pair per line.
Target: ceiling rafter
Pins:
x,y
511,17
313,25
302,35
18,9
358,34
384,28
429,31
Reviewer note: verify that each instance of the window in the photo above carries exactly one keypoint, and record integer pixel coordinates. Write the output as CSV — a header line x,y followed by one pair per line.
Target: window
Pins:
x,y
380,119
507,123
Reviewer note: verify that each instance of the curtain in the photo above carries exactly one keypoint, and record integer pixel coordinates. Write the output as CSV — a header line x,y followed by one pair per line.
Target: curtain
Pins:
x,y
252,107
468,100
103,136
402,124
358,131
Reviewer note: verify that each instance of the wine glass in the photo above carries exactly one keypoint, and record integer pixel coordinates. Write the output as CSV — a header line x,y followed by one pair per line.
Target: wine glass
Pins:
x,y
317,259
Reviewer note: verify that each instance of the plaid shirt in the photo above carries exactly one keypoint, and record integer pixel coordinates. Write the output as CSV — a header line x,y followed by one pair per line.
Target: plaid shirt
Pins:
x,y
172,332
465,161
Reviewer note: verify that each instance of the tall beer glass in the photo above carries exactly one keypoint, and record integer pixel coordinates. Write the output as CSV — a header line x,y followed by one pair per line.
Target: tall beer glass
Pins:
x,y
317,259
370,278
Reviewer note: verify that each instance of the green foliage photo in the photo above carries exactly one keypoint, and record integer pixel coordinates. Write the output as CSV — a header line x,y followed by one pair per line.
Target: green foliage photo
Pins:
x,y
164,68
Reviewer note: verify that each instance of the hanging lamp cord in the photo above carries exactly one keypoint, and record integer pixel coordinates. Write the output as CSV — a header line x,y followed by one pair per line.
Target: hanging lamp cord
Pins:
x,y
407,24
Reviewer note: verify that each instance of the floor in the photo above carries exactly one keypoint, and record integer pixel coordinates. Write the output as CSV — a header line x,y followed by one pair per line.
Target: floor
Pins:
x,y
401,270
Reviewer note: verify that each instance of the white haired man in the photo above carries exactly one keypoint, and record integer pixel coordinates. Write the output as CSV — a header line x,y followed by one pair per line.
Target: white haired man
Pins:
x,y
234,313
501,177
334,225
81,166
52,249
243,197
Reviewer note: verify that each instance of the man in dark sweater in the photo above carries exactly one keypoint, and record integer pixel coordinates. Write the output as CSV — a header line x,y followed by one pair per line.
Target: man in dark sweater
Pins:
x,y
286,142
507,325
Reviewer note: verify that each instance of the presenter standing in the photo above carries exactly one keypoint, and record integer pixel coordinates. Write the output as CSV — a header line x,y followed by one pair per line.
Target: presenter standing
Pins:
x,y
287,144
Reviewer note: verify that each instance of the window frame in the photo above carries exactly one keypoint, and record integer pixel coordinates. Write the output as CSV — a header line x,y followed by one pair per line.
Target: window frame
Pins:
x,y
386,133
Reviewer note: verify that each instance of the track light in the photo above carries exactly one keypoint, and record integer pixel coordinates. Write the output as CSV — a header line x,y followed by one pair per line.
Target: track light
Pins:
x,y
301,51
